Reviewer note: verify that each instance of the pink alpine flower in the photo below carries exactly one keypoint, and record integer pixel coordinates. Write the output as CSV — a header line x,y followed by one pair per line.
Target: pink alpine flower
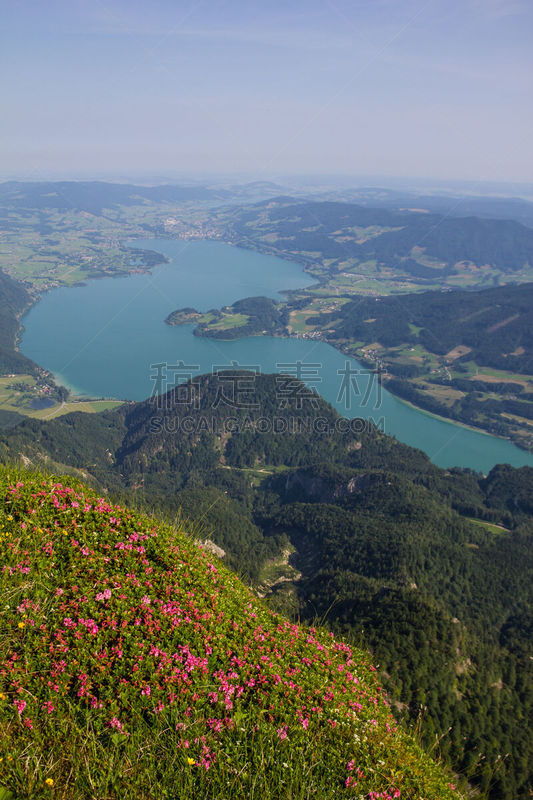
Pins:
x,y
20,705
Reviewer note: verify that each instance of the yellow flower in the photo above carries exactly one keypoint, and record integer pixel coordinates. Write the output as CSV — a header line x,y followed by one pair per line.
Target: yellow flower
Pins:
x,y
49,782
10,517
3,696
21,625
191,762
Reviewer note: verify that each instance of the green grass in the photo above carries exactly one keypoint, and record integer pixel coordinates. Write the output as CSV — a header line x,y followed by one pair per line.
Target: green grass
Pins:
x,y
298,321
229,321
489,526
87,406
134,665
14,397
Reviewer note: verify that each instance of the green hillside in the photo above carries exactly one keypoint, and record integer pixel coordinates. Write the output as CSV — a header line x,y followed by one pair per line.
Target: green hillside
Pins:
x,y
430,568
14,300
133,664
495,326
466,355
356,249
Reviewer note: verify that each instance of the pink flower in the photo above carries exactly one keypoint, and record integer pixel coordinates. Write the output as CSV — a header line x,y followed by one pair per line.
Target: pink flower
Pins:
x,y
20,705
117,724
282,732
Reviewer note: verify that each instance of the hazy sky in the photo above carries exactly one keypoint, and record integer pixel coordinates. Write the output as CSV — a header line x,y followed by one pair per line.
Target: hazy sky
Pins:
x,y
439,88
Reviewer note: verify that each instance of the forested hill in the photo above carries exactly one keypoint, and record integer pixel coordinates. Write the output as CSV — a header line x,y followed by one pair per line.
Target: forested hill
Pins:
x,y
432,568
494,326
466,355
13,300
340,231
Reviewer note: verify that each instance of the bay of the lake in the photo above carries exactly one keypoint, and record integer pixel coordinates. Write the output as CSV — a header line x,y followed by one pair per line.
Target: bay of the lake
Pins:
x,y
106,338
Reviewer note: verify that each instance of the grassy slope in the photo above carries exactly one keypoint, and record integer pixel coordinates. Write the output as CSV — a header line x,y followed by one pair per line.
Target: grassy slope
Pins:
x,y
133,666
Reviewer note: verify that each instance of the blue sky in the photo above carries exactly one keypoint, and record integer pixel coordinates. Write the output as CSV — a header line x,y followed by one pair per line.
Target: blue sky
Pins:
x,y
441,88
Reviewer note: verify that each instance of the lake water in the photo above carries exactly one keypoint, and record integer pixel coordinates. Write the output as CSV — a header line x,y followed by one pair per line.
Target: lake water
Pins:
x,y
104,339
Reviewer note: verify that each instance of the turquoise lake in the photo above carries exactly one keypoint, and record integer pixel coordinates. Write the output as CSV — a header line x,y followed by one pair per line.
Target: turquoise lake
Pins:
x,y
104,339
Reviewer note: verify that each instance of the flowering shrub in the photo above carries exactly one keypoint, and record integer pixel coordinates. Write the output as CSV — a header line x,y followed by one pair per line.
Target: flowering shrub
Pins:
x,y
133,665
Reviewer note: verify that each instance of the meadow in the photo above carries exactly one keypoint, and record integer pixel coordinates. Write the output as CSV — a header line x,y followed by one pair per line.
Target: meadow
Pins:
x,y
134,664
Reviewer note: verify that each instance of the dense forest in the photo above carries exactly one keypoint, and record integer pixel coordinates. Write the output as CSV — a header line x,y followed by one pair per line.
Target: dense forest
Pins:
x,y
14,299
429,568
495,325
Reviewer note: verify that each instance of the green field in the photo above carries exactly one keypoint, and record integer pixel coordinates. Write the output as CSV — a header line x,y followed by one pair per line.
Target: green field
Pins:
x,y
61,249
496,529
326,305
480,373
17,393
227,321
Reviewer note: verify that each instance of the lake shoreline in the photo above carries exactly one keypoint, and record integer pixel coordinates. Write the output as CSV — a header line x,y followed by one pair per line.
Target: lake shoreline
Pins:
x,y
118,334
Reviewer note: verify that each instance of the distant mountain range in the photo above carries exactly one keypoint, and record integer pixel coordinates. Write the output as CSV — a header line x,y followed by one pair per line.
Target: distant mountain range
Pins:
x,y
95,196
453,205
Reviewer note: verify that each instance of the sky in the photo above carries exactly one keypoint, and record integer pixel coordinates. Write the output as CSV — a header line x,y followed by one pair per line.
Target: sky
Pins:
x,y
435,88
